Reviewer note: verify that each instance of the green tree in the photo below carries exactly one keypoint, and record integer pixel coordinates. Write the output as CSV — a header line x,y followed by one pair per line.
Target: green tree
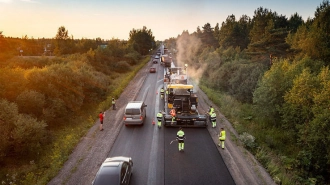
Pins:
x,y
312,39
142,40
207,36
268,35
31,102
268,96
8,116
294,22
63,43
28,135
235,33
12,83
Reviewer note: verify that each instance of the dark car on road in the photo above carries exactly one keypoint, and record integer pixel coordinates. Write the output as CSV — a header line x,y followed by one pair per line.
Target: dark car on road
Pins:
x,y
152,70
155,61
114,170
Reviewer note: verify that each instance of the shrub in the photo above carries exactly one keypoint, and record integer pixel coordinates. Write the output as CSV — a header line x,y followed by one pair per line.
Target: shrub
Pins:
x,y
248,140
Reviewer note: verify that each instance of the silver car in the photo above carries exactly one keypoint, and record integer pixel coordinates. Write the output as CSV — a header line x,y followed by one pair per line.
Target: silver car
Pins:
x,y
114,170
135,113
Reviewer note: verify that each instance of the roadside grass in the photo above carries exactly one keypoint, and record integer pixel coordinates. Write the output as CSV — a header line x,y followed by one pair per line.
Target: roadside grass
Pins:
x,y
64,139
264,143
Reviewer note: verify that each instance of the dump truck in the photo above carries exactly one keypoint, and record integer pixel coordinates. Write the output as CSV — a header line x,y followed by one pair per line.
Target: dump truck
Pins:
x,y
166,60
182,99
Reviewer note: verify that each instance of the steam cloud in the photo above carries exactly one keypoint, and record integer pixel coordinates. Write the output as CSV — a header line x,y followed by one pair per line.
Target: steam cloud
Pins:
x,y
188,46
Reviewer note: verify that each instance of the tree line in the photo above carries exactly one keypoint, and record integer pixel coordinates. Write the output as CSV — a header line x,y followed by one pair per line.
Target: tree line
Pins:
x,y
40,94
279,67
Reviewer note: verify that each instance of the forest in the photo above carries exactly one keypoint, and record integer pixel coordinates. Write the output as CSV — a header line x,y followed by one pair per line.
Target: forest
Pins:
x,y
270,75
51,93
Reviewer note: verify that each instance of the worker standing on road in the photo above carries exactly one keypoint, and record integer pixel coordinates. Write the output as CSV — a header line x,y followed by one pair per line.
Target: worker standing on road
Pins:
x,y
162,93
113,104
222,138
211,110
214,119
173,114
159,118
180,137
101,116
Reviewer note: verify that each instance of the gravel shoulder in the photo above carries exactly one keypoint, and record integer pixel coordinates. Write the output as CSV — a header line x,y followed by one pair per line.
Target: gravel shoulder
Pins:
x,y
94,147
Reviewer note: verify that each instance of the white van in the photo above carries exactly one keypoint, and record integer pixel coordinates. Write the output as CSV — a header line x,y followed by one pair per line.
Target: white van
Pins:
x,y
135,113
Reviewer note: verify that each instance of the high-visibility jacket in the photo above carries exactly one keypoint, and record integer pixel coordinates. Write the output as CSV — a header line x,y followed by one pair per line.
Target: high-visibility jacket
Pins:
x,y
113,102
222,136
180,135
213,117
161,91
159,116
211,110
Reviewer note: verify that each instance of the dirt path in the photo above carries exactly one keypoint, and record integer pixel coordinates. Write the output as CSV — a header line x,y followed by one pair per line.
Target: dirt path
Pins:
x,y
91,151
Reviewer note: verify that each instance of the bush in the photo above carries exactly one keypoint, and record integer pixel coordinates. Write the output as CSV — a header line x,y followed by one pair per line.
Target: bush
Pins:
x,y
248,140
31,102
121,67
28,135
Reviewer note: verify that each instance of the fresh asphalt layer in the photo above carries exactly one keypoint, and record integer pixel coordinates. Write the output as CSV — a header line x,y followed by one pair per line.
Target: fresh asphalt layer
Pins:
x,y
156,161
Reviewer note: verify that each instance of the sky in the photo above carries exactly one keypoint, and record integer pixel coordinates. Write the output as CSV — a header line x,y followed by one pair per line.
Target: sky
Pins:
x,y
114,19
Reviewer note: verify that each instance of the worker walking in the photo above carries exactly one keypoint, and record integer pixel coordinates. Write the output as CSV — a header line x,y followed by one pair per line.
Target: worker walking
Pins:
x,y
180,137
113,104
222,138
214,119
159,118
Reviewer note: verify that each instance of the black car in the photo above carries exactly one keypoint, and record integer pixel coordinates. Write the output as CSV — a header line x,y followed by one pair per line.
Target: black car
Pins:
x,y
114,170
155,61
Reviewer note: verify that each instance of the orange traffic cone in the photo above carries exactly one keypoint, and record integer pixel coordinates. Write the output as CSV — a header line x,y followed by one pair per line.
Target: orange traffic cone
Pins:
x,y
156,92
153,121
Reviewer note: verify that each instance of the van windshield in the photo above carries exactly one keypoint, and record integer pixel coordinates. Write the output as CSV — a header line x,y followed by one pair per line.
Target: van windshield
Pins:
x,y
132,111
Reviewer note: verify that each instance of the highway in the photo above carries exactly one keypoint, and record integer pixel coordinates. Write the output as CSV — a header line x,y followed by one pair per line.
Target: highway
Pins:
x,y
156,161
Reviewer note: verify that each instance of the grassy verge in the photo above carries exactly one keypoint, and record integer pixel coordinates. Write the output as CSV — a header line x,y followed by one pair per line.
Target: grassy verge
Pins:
x,y
64,139
258,140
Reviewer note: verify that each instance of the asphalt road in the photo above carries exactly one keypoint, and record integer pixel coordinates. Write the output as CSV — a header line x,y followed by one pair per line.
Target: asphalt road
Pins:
x,y
156,161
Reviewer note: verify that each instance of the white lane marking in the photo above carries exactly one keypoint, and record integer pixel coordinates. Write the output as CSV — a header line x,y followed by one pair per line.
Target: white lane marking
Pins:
x,y
152,171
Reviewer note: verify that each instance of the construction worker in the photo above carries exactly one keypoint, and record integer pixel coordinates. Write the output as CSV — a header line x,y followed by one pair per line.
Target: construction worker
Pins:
x,y
173,114
162,92
159,118
180,137
222,138
214,119
211,110
113,104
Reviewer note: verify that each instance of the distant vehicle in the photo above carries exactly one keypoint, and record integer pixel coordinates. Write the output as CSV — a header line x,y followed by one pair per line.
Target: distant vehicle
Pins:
x,y
157,57
166,60
114,170
155,61
135,113
152,70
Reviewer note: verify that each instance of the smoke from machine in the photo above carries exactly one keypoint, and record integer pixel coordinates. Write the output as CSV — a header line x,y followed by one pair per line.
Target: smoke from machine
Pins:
x,y
188,46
